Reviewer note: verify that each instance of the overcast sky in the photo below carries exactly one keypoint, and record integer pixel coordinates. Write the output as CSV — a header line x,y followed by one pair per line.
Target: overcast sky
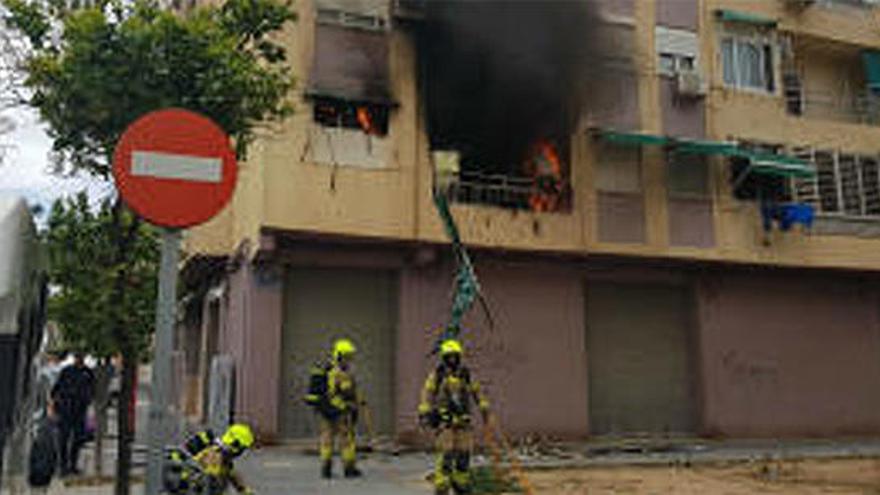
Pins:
x,y
25,171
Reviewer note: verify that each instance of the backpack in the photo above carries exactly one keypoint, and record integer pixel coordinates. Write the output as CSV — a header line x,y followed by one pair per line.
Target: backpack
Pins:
x,y
317,396
464,373
43,460
198,442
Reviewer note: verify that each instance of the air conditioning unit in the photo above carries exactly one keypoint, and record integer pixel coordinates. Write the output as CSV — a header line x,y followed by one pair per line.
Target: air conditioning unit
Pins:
x,y
689,83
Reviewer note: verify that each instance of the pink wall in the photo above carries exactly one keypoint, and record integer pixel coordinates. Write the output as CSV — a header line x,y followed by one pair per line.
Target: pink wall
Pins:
x,y
682,117
533,365
253,338
789,356
681,14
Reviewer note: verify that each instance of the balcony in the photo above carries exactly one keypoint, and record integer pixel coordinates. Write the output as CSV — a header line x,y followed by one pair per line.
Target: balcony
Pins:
x,y
858,108
501,191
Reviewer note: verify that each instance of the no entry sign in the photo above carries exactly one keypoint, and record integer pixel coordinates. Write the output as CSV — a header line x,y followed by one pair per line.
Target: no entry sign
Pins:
x,y
175,168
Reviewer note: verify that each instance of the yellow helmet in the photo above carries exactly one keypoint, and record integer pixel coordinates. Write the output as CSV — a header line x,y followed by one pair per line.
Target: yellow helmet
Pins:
x,y
450,346
238,437
343,347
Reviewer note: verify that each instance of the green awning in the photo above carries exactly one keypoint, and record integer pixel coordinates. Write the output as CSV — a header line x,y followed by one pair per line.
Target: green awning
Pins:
x,y
633,138
871,62
780,165
700,147
727,15
759,162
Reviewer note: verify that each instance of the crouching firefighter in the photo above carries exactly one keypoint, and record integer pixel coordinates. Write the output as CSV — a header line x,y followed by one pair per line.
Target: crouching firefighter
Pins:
x,y
335,398
445,408
205,463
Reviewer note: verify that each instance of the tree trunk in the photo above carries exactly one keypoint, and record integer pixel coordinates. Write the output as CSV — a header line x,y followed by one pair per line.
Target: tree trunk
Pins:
x,y
123,239
103,377
126,438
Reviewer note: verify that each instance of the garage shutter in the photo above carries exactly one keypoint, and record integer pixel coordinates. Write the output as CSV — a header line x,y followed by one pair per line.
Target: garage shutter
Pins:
x,y
638,352
320,305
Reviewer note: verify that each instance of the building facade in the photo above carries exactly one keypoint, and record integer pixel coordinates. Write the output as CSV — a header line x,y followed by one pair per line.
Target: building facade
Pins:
x,y
704,262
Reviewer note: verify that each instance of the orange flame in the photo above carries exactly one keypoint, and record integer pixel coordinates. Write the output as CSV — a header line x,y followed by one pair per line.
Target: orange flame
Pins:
x,y
365,120
546,170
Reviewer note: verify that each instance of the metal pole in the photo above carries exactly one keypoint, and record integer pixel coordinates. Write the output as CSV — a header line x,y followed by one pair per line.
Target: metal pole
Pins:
x,y
160,400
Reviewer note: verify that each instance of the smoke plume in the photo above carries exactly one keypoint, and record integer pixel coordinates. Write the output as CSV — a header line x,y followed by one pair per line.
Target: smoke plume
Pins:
x,y
499,75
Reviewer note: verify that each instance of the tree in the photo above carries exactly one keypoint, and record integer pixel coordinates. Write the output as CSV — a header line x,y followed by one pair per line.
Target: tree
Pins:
x,y
83,270
94,67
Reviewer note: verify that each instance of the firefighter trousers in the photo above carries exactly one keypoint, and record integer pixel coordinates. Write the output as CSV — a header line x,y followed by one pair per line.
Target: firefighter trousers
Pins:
x,y
452,464
342,430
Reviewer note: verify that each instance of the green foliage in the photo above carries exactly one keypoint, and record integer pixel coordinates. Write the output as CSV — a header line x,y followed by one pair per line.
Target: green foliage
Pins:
x,y
485,480
114,61
84,268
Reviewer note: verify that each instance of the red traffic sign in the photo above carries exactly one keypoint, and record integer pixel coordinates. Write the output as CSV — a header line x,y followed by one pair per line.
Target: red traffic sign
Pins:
x,y
175,168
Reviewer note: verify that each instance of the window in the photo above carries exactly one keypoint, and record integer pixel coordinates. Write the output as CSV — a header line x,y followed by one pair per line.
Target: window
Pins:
x,y
670,64
845,184
754,186
687,175
348,133
748,63
677,50
618,169
369,118
350,62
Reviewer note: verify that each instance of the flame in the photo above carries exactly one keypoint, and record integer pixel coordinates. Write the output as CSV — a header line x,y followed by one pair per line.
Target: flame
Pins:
x,y
546,170
365,120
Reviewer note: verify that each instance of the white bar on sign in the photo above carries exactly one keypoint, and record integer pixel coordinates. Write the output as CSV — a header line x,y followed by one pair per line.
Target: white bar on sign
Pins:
x,y
171,166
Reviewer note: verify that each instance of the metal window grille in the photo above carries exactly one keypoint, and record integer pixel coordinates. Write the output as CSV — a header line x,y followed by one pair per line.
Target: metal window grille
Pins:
x,y
845,183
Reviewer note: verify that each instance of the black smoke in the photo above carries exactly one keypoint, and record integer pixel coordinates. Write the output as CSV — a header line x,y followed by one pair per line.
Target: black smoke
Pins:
x,y
498,75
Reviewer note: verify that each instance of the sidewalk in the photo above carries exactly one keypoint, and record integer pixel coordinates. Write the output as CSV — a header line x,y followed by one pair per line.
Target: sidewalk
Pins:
x,y
288,471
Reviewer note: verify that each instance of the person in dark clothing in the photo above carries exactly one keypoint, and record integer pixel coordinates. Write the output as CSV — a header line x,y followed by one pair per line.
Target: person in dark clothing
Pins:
x,y
71,396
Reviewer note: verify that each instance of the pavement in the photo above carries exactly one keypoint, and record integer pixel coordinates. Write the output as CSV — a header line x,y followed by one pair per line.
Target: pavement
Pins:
x,y
285,471
289,471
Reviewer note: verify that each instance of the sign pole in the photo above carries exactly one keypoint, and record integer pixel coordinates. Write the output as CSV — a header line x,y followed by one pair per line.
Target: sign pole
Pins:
x,y
160,427
176,169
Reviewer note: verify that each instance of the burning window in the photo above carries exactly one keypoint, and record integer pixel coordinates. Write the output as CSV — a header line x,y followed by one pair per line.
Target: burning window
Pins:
x,y
349,86
503,100
371,119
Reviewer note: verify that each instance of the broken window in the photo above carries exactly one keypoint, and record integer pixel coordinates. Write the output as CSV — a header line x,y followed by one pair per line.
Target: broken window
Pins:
x,y
370,118
504,109
349,88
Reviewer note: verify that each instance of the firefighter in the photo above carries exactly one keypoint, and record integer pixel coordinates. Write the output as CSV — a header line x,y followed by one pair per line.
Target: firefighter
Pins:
x,y
338,421
446,403
215,457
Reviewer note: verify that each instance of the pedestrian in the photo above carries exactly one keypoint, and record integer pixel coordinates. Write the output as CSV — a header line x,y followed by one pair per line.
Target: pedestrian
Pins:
x,y
337,401
47,376
445,408
71,396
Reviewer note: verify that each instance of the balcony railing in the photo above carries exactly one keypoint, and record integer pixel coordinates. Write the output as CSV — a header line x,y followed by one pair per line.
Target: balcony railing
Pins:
x,y
504,191
859,108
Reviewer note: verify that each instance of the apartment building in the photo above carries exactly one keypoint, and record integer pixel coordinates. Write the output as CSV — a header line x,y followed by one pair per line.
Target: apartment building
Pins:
x,y
676,227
